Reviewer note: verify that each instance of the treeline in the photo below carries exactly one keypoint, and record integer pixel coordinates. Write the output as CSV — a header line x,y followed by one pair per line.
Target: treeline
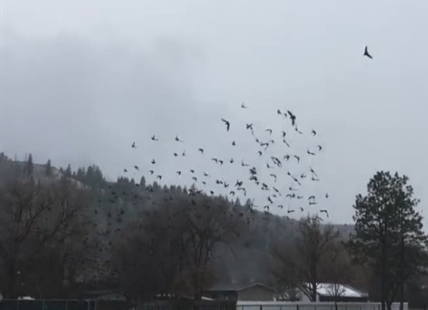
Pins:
x,y
64,232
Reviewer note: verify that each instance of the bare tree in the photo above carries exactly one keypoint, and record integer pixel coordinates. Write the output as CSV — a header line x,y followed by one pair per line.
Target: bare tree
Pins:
x,y
34,219
300,264
177,240
338,270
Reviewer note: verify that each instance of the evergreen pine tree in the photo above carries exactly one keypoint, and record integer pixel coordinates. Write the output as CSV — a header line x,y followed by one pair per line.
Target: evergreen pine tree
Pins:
x,y
388,233
48,168
68,171
29,167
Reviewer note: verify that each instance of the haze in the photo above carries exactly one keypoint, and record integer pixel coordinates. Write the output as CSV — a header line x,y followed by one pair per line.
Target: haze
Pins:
x,y
82,80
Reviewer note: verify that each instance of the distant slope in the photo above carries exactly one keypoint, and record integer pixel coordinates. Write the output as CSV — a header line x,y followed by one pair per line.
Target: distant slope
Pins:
x,y
246,260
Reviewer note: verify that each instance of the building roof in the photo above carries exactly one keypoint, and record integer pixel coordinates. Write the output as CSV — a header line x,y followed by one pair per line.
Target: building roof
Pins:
x,y
330,289
237,288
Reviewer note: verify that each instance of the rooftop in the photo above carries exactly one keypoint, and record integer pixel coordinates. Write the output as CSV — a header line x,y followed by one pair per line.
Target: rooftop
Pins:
x,y
330,289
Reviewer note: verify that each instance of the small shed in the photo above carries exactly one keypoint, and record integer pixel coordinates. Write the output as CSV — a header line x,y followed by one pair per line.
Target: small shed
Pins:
x,y
251,292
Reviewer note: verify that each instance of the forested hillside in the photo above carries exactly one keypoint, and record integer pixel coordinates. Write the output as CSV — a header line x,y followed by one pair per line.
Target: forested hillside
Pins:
x,y
102,219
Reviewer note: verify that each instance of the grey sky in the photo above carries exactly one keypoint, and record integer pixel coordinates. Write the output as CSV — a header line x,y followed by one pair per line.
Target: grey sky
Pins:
x,y
82,80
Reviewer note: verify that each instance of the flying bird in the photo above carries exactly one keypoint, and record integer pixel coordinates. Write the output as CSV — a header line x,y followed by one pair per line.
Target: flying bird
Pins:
x,y
124,170
179,172
243,106
153,162
159,177
278,112
313,171
366,53
178,139
310,153
249,126
260,153
313,132
227,124
283,134
233,143
201,150
133,145
154,138
292,117
151,171
269,131
273,175
136,167
298,158
324,211
319,147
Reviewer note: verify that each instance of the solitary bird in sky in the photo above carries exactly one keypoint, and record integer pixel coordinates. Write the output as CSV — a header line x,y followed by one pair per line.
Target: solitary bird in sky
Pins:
x,y
227,123
243,106
201,150
133,145
178,139
366,53
154,138
313,132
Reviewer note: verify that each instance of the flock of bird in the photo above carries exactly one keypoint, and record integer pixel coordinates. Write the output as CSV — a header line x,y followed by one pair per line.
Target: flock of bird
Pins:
x,y
263,174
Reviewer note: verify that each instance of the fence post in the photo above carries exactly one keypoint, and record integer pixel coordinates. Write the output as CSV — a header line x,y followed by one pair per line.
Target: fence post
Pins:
x,y
297,306
43,304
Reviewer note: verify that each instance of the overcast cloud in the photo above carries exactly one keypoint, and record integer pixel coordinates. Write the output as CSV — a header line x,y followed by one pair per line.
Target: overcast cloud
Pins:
x,y
82,80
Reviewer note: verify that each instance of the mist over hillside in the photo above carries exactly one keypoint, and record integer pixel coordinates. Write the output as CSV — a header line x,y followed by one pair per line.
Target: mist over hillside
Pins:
x,y
245,260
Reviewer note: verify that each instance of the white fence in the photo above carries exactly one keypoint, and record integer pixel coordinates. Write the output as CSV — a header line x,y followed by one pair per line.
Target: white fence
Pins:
x,y
278,305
